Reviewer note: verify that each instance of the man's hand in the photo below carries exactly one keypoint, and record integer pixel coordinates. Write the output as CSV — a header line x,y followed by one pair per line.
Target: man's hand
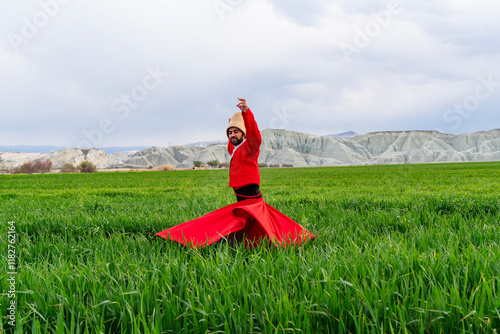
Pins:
x,y
242,105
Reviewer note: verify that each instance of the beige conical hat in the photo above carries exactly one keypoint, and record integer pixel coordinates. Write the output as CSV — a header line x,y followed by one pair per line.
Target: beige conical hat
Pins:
x,y
236,121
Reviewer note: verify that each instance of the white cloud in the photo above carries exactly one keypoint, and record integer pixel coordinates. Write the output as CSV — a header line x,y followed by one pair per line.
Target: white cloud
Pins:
x,y
277,54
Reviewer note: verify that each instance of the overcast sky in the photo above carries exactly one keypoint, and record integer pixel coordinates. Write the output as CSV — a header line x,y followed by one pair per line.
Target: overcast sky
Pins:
x,y
159,72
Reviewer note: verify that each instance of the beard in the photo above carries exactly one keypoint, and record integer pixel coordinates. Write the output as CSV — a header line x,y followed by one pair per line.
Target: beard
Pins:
x,y
235,141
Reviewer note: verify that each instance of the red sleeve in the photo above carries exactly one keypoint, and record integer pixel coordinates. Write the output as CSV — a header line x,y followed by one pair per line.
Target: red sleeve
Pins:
x,y
253,134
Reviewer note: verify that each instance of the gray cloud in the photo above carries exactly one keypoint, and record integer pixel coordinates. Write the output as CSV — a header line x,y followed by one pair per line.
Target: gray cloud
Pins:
x,y
284,57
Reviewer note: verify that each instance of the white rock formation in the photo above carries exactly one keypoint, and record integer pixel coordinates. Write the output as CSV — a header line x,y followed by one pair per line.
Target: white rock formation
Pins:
x,y
297,149
392,147
154,156
157,156
213,152
335,151
10,160
75,156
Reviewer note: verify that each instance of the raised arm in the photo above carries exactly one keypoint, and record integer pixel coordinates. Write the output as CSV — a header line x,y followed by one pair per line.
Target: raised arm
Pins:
x,y
253,135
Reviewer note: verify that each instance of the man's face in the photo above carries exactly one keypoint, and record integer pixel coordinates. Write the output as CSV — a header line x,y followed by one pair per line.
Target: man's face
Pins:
x,y
235,136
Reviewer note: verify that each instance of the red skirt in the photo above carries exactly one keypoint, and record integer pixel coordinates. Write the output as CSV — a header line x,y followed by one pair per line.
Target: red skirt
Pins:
x,y
267,222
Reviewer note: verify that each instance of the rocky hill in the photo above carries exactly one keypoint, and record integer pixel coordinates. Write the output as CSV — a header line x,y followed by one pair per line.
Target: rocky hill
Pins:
x,y
393,147
75,156
157,156
343,135
300,150
306,150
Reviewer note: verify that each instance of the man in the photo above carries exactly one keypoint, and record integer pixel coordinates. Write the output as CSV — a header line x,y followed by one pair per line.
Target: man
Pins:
x,y
250,219
244,148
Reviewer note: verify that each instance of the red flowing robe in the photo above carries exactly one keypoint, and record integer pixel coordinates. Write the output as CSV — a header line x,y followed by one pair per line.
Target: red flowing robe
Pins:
x,y
269,223
266,222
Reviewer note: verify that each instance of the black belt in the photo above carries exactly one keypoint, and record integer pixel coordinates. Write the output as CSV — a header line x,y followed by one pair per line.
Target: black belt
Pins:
x,y
248,192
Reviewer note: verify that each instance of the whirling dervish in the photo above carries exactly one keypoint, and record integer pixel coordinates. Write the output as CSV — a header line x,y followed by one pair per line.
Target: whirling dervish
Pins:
x,y
250,220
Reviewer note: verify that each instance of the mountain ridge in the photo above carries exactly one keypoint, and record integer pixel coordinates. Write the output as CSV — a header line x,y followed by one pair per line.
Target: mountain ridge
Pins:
x,y
301,150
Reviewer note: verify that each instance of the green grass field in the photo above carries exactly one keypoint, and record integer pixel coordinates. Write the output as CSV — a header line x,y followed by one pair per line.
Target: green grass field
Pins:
x,y
398,249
